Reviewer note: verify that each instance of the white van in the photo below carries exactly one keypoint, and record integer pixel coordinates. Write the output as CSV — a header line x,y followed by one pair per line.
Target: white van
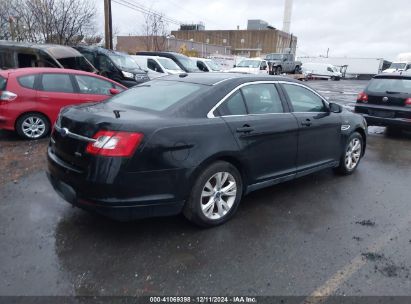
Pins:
x,y
251,66
321,70
207,65
157,66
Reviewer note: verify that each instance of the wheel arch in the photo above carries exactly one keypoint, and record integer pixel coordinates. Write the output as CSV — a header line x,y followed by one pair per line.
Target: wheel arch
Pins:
x,y
231,159
32,112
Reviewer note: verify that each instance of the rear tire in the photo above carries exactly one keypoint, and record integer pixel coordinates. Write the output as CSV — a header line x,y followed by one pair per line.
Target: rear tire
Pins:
x,y
278,70
352,154
393,131
297,70
32,126
212,203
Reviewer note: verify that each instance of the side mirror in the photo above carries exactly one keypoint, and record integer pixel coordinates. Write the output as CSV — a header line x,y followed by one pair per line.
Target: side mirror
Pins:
x,y
234,66
284,59
114,91
335,108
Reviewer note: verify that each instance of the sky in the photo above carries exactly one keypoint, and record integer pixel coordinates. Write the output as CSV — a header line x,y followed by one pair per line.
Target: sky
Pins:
x,y
352,28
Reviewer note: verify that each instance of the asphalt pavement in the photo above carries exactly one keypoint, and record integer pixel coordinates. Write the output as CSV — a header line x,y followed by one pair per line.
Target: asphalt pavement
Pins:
x,y
323,234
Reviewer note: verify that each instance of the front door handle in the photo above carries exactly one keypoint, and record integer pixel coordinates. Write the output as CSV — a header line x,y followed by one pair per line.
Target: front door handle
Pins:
x,y
306,123
245,129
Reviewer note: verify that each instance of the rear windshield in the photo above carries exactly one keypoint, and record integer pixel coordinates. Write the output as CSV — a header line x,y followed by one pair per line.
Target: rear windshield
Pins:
x,y
156,95
76,63
3,82
390,85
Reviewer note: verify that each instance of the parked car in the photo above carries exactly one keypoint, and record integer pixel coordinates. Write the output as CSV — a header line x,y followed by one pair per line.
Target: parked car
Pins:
x,y
23,55
117,66
386,101
207,65
31,98
157,66
279,63
197,143
321,70
184,62
251,66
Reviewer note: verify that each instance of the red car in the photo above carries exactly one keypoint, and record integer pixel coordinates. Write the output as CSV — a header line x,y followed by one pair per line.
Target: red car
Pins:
x,y
31,98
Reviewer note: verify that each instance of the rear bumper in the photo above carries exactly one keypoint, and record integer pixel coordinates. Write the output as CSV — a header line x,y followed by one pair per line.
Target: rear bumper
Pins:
x,y
133,196
380,121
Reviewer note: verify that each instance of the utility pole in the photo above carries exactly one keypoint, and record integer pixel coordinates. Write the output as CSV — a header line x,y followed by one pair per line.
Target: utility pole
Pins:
x,y
12,29
108,25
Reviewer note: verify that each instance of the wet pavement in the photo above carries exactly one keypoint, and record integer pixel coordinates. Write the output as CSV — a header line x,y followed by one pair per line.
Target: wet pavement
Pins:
x,y
322,234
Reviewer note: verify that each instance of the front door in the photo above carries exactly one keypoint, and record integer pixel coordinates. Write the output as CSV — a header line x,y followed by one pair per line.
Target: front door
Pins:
x,y
319,138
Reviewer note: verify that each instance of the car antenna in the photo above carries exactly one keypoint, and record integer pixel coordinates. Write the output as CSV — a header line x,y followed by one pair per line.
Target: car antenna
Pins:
x,y
182,75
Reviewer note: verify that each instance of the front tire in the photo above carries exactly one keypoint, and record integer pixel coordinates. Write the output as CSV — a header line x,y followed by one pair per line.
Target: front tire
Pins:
x,y
278,70
351,155
215,196
32,126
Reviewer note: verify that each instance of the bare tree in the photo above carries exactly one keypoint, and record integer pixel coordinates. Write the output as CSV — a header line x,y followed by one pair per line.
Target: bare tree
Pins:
x,y
50,21
154,31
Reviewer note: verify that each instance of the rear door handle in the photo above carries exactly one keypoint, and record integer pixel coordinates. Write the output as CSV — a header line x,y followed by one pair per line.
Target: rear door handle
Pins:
x,y
245,129
306,123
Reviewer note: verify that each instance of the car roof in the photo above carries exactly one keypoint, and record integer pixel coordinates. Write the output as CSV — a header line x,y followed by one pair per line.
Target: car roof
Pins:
x,y
216,78
58,51
98,49
399,75
31,71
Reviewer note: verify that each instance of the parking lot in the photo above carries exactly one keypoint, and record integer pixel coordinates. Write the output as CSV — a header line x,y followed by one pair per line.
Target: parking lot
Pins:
x,y
320,235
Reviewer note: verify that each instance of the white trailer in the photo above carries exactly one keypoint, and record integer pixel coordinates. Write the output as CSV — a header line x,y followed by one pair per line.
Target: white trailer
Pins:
x,y
361,68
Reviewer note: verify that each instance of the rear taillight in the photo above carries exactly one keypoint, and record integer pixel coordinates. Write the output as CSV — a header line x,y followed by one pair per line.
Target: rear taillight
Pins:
x,y
6,96
113,143
362,97
408,102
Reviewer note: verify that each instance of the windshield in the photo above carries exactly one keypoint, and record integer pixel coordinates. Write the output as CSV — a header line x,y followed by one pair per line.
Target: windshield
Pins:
x,y
156,95
124,62
397,65
394,85
249,63
76,63
189,64
275,56
169,64
214,65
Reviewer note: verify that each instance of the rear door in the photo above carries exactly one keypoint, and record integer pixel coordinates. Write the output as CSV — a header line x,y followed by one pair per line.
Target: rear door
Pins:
x,y
93,89
319,136
264,129
55,91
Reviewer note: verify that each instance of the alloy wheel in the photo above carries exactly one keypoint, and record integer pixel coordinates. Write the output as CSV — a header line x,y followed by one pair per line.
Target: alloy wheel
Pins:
x,y
353,154
33,127
218,195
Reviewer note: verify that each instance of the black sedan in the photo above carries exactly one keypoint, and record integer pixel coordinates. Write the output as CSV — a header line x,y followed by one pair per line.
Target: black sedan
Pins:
x,y
386,101
197,143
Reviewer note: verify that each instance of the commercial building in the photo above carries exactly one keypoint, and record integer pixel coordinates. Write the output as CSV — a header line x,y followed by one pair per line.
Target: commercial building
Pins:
x,y
258,39
133,44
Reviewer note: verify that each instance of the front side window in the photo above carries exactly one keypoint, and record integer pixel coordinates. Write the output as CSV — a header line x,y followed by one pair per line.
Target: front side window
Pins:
x,y
152,65
93,85
156,95
234,105
76,63
304,100
57,83
27,81
3,83
262,99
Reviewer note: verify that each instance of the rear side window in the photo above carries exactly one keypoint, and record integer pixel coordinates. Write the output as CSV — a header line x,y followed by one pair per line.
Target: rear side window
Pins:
x,y
3,83
234,105
93,85
76,63
156,95
262,99
27,81
392,85
57,83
